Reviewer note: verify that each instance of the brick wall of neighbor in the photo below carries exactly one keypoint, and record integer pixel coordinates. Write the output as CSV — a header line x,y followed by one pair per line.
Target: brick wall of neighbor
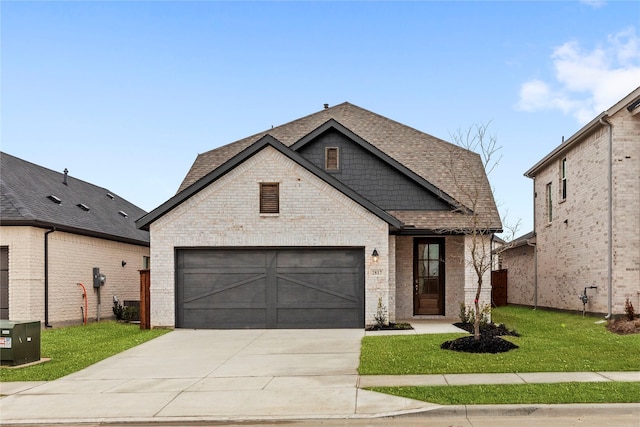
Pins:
x,y
226,213
520,264
456,290
626,210
573,254
71,261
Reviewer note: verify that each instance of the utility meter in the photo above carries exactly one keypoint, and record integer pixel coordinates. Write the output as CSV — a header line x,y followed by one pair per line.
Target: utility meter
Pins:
x,y
98,278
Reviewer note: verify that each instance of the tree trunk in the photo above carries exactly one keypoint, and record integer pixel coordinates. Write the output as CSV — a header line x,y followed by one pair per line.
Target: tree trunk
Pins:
x,y
476,324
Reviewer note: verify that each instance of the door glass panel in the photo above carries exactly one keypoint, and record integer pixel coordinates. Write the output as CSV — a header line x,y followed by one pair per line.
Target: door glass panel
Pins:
x,y
434,251
429,280
434,268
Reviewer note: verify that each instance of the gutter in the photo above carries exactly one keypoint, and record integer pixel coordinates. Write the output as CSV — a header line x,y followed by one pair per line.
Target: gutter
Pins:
x,y
46,277
604,121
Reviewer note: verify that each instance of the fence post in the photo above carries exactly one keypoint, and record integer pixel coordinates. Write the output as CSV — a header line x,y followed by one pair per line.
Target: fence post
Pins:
x,y
145,299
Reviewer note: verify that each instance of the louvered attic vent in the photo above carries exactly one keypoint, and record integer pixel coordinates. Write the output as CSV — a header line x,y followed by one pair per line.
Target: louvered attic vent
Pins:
x,y
269,198
83,207
123,213
54,199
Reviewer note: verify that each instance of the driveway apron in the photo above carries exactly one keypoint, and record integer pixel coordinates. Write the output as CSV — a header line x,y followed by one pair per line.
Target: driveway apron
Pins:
x,y
213,375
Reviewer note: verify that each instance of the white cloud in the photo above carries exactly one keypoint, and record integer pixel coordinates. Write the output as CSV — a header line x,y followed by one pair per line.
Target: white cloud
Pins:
x,y
587,82
594,3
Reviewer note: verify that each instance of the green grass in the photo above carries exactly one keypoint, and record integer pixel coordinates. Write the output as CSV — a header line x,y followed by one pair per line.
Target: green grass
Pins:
x,y
608,392
549,342
76,347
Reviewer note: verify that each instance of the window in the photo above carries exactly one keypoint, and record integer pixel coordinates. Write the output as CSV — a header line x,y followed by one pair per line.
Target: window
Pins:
x,y
269,198
331,158
563,179
549,203
146,263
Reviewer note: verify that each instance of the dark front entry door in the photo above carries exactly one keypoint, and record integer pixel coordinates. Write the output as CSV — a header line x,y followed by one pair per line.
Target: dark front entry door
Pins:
x,y
270,288
428,276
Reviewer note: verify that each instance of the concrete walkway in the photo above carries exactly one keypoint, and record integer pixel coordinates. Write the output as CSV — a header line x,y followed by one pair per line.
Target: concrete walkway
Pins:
x,y
204,375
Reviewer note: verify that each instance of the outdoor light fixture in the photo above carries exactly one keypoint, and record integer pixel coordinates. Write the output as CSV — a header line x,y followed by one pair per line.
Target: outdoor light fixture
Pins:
x,y
375,255
124,263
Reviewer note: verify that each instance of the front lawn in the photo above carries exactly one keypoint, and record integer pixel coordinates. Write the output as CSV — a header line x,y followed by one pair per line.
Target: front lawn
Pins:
x,y
76,347
549,342
600,392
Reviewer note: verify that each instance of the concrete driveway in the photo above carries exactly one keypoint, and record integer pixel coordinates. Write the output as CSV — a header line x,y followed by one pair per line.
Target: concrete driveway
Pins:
x,y
215,375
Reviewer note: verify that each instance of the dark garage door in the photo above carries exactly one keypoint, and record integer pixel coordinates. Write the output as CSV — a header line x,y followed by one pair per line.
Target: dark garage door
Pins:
x,y
270,288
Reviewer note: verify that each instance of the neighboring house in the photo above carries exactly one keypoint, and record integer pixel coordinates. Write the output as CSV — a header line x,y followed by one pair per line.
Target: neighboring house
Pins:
x,y
313,223
54,229
517,258
587,214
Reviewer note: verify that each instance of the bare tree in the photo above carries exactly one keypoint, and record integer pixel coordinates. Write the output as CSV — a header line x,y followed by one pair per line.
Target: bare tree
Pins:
x,y
478,212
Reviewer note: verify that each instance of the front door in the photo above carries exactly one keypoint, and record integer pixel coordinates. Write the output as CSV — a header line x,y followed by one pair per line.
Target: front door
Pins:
x,y
428,276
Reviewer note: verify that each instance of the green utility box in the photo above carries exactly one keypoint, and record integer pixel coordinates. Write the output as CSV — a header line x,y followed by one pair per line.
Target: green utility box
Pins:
x,y
19,342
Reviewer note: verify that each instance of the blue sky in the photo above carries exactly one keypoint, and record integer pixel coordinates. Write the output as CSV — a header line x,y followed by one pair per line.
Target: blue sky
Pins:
x,y
126,94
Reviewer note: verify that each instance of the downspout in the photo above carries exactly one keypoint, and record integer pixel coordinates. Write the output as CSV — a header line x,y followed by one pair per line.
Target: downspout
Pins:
x,y
46,277
535,251
535,273
604,121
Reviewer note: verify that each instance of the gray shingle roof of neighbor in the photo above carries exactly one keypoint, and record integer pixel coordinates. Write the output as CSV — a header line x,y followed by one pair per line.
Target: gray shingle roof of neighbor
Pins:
x,y
37,196
431,158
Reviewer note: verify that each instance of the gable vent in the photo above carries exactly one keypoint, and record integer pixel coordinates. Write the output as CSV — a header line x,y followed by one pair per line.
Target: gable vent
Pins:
x,y
109,195
331,158
83,207
123,214
269,198
54,199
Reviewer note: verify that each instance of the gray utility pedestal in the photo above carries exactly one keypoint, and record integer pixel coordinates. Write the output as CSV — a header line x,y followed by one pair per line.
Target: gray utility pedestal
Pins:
x,y
19,342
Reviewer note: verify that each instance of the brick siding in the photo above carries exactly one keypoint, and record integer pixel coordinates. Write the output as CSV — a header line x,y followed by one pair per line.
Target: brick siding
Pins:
x,y
573,248
71,261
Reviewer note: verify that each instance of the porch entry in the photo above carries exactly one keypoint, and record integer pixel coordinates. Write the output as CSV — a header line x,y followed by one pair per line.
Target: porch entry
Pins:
x,y
428,276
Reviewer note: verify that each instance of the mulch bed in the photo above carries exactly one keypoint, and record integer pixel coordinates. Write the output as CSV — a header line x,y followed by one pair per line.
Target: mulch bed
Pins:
x,y
624,327
489,342
389,327
485,344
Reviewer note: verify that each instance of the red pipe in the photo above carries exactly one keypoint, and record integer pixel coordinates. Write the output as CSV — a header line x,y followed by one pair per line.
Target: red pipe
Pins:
x,y
84,295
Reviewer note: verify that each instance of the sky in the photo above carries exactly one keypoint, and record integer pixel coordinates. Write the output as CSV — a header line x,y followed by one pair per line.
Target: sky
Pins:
x,y
126,94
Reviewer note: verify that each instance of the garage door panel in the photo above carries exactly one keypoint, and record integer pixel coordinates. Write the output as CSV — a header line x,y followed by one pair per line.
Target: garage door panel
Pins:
x,y
205,258
294,292
273,288
318,258
317,318
225,318
224,288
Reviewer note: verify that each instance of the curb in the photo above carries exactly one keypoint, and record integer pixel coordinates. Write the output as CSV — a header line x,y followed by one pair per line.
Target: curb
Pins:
x,y
559,410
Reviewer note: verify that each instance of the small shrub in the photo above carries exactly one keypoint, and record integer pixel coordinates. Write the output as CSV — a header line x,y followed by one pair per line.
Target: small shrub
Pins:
x,y
381,314
464,314
468,315
118,310
629,311
131,314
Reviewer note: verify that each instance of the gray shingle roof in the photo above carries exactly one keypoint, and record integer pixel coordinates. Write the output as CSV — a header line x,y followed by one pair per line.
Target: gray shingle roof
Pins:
x,y
427,156
25,189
